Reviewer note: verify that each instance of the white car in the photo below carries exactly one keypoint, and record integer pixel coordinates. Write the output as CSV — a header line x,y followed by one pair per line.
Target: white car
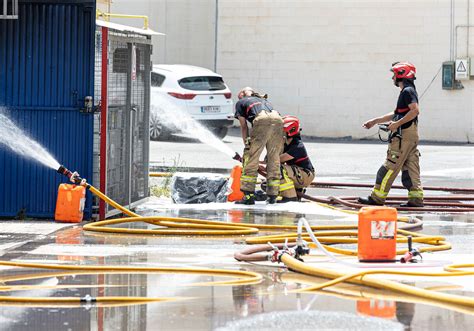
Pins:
x,y
196,91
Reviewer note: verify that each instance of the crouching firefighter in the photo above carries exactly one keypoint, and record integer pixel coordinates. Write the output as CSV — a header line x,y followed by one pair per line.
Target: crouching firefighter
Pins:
x,y
402,154
267,132
296,168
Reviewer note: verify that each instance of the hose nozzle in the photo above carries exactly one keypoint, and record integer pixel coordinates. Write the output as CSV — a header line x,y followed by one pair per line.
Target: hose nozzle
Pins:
x,y
237,157
64,171
411,254
73,176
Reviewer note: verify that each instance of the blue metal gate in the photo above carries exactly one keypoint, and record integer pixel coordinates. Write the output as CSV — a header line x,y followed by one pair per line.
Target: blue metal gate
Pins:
x,y
46,71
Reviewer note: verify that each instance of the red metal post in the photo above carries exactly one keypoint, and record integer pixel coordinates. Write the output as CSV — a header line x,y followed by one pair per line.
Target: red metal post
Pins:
x,y
103,118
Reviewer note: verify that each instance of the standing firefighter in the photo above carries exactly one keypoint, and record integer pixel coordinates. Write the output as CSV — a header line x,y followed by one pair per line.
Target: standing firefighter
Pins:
x,y
267,131
402,151
296,169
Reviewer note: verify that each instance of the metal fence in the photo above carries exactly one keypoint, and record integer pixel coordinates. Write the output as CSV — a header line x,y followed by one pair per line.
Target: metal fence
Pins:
x,y
128,103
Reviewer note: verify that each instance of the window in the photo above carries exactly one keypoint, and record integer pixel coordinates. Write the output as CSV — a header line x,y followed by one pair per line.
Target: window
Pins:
x,y
157,79
202,83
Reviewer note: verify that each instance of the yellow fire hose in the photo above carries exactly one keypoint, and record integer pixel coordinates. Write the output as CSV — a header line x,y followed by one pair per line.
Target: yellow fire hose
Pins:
x,y
188,226
362,279
200,227
354,292
436,243
339,234
160,174
243,278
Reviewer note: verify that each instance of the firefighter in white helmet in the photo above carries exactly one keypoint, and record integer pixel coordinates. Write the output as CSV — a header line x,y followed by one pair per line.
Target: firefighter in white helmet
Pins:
x,y
267,132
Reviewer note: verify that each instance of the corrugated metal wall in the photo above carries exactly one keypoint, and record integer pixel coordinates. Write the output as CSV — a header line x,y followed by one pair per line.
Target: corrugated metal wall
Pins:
x,y
46,70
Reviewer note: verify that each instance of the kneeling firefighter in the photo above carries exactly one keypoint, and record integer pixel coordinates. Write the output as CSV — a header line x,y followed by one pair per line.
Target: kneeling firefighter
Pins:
x,y
267,132
296,168
402,151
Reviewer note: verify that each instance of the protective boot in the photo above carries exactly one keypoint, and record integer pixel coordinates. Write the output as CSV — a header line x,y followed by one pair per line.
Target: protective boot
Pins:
x,y
248,199
271,199
369,201
260,195
285,199
412,203
299,192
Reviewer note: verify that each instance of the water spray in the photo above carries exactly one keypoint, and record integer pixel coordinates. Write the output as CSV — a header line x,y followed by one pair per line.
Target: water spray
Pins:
x,y
17,140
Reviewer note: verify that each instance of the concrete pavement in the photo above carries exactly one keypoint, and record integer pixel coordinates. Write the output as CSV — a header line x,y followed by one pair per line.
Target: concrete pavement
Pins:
x,y
348,161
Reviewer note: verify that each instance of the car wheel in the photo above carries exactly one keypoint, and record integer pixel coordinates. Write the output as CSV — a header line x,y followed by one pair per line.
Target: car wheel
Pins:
x,y
220,132
157,131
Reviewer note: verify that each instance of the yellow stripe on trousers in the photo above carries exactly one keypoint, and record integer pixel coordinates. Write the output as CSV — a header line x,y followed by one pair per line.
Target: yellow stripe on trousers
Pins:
x,y
381,192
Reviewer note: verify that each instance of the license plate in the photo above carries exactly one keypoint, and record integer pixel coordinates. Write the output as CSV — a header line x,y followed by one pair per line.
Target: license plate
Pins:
x,y
210,109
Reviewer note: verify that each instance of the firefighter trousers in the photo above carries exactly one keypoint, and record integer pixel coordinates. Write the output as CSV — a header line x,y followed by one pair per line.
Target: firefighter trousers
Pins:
x,y
267,132
402,155
293,178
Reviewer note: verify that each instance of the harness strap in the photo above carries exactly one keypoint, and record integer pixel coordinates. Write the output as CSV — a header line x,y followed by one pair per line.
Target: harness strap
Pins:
x,y
301,159
251,106
402,110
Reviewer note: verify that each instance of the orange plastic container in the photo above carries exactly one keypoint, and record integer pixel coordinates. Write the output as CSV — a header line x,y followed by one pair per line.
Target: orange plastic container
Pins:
x,y
377,235
235,192
70,203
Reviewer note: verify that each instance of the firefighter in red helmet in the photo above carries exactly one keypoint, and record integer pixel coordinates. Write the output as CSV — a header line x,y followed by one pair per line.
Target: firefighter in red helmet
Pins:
x,y
402,154
296,167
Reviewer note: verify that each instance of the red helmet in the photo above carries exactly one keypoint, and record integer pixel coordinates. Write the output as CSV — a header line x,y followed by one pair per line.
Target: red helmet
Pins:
x,y
403,70
291,125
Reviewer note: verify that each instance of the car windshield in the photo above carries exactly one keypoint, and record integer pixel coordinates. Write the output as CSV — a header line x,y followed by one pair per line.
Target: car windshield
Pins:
x,y
202,83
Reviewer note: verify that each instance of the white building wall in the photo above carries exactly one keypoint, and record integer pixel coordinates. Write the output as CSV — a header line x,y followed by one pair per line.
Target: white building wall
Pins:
x,y
324,61
328,61
189,26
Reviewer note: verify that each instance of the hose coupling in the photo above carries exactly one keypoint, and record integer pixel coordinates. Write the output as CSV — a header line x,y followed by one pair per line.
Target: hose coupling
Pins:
x,y
411,254
237,157
301,250
88,299
275,255
383,127
296,252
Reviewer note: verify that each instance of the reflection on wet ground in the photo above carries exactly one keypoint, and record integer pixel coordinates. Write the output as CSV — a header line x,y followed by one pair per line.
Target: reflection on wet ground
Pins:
x,y
269,304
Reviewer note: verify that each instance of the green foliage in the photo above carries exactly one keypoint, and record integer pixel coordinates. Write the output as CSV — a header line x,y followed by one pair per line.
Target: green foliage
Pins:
x,y
163,188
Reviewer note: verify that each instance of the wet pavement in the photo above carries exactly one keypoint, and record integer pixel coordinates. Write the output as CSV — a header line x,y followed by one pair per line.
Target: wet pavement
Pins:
x,y
269,305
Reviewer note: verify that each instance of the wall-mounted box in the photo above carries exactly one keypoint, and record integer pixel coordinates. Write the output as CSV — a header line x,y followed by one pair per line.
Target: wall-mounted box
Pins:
x,y
448,75
449,81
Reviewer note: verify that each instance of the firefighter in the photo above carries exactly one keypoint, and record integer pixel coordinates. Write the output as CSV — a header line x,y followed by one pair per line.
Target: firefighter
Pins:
x,y
296,168
402,151
267,132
